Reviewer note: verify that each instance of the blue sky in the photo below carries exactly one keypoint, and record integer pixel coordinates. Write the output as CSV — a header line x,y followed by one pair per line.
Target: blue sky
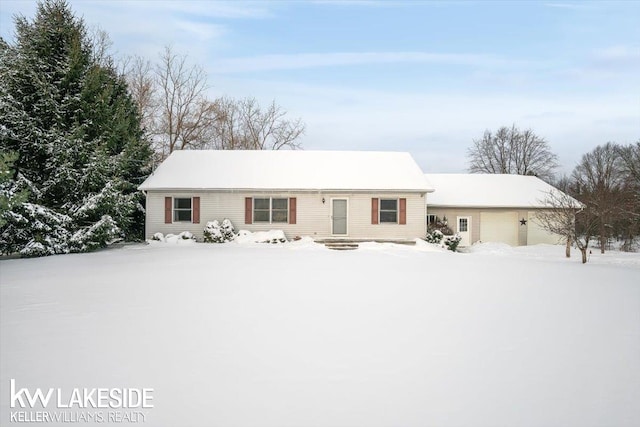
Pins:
x,y
423,77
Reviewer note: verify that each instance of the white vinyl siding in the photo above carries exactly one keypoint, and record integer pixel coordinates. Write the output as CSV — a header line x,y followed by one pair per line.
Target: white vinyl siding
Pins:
x,y
313,217
537,234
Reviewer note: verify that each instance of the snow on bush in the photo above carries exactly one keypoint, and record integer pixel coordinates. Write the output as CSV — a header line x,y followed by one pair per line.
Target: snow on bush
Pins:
x,y
437,237
98,235
159,237
271,236
216,233
228,231
35,230
184,237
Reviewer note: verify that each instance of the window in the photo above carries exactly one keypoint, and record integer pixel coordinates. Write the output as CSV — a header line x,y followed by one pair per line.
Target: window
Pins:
x,y
463,225
270,210
182,210
389,210
432,219
261,210
280,210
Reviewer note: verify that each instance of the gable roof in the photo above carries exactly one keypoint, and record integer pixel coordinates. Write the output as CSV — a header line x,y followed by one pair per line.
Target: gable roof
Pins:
x,y
488,190
287,170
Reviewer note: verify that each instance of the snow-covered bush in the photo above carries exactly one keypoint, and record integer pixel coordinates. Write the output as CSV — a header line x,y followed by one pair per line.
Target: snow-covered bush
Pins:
x,y
186,235
228,231
216,233
437,237
35,230
98,235
452,242
159,237
213,232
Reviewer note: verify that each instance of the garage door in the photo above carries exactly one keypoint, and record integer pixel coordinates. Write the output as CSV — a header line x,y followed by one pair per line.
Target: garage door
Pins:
x,y
499,227
536,234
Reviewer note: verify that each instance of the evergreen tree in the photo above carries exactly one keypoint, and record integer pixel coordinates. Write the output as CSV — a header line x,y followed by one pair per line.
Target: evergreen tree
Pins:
x,y
80,150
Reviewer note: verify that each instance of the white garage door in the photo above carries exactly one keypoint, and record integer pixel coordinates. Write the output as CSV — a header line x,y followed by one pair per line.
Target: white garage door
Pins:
x,y
536,234
499,227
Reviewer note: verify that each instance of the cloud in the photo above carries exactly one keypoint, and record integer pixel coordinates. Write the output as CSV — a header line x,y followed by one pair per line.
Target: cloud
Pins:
x,y
337,59
617,55
571,6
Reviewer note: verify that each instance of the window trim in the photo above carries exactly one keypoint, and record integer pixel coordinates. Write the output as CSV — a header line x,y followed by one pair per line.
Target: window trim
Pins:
x,y
270,198
397,210
174,209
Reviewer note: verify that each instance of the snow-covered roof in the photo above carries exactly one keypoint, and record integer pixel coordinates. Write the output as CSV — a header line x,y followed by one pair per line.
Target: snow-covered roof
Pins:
x,y
287,170
488,190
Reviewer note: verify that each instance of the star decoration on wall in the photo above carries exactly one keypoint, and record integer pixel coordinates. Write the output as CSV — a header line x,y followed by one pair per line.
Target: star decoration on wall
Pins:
x,y
523,221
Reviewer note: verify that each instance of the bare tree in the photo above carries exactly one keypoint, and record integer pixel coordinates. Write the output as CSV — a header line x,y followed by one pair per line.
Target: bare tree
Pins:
x,y
185,116
630,219
177,114
140,79
560,219
599,185
243,124
512,151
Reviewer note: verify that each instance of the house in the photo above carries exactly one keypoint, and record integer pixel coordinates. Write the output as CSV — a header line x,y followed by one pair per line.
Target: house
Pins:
x,y
322,194
491,207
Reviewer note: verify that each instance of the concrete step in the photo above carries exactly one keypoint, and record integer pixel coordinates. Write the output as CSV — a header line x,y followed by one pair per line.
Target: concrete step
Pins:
x,y
341,246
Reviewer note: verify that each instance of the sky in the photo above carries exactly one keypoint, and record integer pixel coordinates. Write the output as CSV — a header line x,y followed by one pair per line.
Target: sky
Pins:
x,y
417,76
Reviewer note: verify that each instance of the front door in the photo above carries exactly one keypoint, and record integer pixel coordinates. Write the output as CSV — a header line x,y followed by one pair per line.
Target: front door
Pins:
x,y
339,217
464,230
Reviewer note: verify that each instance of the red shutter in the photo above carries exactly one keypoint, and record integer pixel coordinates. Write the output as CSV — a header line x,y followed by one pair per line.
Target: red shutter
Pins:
x,y
167,210
374,211
248,208
403,211
292,210
196,210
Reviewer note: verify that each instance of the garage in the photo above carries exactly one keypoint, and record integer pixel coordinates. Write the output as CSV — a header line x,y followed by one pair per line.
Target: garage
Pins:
x,y
499,227
499,208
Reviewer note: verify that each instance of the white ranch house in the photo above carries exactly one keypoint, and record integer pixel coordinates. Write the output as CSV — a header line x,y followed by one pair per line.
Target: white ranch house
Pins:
x,y
322,194
491,207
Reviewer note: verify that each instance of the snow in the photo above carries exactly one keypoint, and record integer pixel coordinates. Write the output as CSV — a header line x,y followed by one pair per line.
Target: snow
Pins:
x,y
287,170
296,334
488,190
271,236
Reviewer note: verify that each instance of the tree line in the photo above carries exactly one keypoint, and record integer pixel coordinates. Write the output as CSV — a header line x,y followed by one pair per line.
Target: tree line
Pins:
x,y
171,96
605,183
80,130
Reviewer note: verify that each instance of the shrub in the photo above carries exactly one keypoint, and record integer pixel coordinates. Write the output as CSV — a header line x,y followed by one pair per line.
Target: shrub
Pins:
x,y
434,236
452,242
449,241
186,235
216,233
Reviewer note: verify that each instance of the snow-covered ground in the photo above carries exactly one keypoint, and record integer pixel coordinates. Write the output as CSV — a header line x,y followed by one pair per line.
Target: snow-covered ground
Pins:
x,y
296,335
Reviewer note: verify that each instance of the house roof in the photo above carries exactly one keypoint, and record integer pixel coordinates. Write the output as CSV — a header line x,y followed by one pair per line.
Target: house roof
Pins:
x,y
488,190
287,170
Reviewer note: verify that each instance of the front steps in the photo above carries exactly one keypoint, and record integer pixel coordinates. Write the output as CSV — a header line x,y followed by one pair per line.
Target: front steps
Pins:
x,y
341,245
351,244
